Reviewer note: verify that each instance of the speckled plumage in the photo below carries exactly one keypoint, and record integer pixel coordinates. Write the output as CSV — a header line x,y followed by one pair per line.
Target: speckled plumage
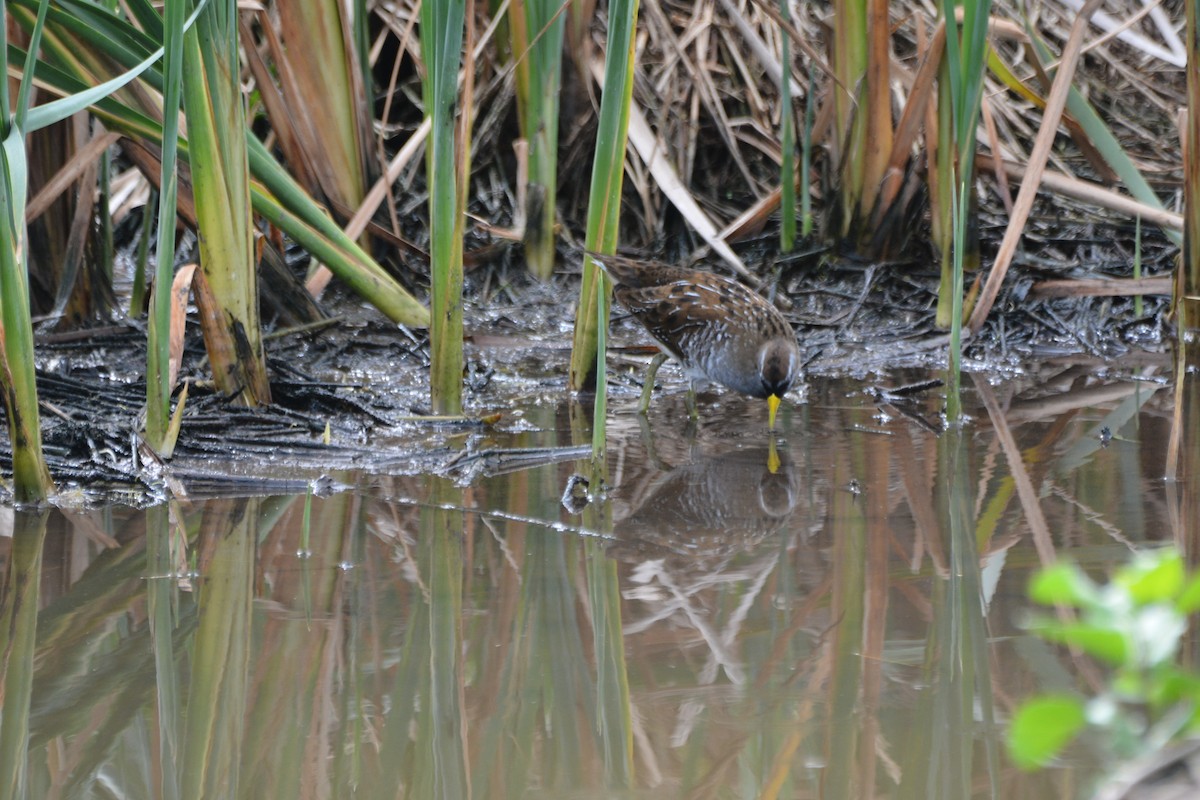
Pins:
x,y
716,328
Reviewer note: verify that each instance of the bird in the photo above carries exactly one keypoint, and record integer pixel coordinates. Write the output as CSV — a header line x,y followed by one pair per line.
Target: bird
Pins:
x,y
715,327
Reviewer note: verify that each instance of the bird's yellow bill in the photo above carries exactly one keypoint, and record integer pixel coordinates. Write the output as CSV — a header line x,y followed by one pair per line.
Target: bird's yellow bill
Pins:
x,y
772,407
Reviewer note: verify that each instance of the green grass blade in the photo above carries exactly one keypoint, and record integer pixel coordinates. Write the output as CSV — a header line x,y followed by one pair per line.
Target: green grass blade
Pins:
x,y
292,205
26,86
1107,144
58,110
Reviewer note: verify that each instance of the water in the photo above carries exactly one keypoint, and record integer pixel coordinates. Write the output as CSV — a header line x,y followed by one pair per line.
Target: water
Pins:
x,y
845,625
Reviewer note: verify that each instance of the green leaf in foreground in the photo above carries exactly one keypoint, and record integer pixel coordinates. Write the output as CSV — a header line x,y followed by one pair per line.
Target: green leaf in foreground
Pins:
x,y
1189,598
1100,641
1042,728
1065,585
1152,577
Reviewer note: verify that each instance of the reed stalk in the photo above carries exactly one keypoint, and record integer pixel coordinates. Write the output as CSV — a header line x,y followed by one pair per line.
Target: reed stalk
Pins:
x,y
613,714
221,190
787,142
31,478
849,67
441,48
161,611
536,29
158,382
444,737
604,204
327,100
85,41
806,141
1188,300
966,58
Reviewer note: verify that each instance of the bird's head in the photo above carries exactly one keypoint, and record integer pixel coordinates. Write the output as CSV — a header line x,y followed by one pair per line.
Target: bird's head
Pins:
x,y
778,366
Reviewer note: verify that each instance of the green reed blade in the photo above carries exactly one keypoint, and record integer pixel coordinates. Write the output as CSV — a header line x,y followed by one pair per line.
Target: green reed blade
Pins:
x,y
70,74
1190,285
441,49
587,370
31,479
221,190
966,57
613,713
810,113
787,143
536,29
445,736
1106,143
158,388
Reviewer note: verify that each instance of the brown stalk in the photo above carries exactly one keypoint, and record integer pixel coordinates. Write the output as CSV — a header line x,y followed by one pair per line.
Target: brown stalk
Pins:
x,y
910,125
1100,287
1042,540
877,149
282,124
68,174
1037,164
303,135
149,163
989,124
1091,193
1078,134
180,288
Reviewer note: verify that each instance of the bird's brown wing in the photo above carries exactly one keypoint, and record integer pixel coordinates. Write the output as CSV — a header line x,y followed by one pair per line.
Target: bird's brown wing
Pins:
x,y
677,313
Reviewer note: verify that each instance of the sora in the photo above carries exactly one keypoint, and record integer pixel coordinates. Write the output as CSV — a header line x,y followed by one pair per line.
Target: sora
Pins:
x,y
716,328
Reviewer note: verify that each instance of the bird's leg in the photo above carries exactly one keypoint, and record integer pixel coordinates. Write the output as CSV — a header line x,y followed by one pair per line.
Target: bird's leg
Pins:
x,y
648,441
693,414
648,386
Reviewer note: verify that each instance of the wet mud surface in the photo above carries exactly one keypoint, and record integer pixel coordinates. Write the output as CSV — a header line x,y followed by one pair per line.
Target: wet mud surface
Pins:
x,y
352,396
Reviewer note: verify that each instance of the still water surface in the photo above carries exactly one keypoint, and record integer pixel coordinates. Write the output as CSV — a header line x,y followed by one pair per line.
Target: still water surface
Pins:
x,y
844,625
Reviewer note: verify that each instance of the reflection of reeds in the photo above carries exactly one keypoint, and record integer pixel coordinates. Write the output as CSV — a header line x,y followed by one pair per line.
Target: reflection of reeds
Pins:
x,y
220,661
18,626
832,635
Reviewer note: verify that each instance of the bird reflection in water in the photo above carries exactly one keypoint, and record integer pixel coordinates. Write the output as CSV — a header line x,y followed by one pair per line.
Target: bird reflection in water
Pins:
x,y
707,510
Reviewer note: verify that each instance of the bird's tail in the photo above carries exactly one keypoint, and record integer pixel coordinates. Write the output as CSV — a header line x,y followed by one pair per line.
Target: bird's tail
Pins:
x,y
630,272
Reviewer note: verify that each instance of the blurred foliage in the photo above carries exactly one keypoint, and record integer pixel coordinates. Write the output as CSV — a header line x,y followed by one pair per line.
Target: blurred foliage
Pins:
x,y
1135,624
